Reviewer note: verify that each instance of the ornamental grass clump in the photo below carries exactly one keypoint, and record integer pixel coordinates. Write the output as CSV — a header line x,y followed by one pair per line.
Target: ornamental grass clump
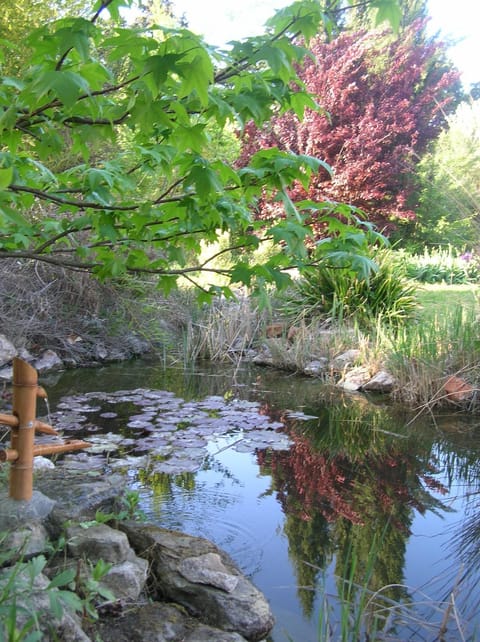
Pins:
x,y
340,294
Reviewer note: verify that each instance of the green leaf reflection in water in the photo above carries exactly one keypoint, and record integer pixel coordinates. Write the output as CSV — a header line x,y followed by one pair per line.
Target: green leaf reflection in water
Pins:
x,y
349,487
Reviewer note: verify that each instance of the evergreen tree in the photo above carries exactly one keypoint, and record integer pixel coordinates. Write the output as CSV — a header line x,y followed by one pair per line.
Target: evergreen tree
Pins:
x,y
362,15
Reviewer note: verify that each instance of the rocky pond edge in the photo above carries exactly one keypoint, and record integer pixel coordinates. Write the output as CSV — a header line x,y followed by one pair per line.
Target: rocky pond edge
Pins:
x,y
164,586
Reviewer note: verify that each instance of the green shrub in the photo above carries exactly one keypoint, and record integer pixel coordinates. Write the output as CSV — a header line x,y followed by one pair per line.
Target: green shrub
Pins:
x,y
340,294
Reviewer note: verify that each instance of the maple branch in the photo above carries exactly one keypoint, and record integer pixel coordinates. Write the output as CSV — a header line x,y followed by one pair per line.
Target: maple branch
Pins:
x,y
48,258
244,63
82,120
51,198
57,103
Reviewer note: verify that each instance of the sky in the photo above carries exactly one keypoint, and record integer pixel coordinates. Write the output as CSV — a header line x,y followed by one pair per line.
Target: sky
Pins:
x,y
222,20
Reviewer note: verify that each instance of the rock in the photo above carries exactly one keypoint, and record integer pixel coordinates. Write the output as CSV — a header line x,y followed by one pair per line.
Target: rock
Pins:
x,y
27,541
101,352
354,379
158,622
42,463
275,330
117,354
382,381
249,355
16,513
208,569
345,359
215,601
29,596
78,496
263,358
243,609
24,354
457,389
127,580
97,542
6,373
127,577
7,350
317,367
48,361
137,345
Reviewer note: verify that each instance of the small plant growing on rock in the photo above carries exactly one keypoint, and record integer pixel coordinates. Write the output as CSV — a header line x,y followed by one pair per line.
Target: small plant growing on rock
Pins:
x,y
20,582
129,508
89,587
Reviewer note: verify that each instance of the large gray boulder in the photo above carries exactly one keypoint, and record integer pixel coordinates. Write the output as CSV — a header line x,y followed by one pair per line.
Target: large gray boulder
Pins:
x,y
78,495
196,574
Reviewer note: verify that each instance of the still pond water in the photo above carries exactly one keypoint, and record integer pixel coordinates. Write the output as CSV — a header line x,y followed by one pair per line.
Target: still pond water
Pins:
x,y
348,488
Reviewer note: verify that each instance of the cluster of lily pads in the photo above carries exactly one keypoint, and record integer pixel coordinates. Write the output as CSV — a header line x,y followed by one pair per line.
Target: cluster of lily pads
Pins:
x,y
136,428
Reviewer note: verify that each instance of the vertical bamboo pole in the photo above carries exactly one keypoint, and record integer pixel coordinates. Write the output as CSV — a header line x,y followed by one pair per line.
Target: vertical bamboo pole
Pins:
x,y
25,386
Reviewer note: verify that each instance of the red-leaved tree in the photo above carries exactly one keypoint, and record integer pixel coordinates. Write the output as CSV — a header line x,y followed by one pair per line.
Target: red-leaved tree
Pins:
x,y
382,102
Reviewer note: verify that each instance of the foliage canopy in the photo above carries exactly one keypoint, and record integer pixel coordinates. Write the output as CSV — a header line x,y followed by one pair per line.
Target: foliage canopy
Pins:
x,y
105,132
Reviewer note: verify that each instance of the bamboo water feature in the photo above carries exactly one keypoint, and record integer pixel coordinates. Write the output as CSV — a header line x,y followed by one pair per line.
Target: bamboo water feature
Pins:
x,y
23,425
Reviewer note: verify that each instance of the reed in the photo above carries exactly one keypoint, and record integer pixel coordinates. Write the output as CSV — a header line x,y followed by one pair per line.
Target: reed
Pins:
x,y
359,613
423,354
438,342
224,331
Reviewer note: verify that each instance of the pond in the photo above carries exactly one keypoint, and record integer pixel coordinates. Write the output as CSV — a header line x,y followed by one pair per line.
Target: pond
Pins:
x,y
339,507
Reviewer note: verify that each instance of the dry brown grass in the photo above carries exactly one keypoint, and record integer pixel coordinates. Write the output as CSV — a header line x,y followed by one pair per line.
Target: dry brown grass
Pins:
x,y
224,331
42,306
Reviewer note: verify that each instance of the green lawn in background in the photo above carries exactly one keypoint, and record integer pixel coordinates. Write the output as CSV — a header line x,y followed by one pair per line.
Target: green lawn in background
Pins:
x,y
439,299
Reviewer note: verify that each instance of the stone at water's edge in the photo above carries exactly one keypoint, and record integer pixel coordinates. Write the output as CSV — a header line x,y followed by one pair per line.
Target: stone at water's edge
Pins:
x,y
49,360
208,569
354,379
7,350
159,622
237,607
382,381
457,389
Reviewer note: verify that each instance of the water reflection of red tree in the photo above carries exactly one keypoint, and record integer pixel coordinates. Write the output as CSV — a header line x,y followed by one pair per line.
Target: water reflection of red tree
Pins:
x,y
308,481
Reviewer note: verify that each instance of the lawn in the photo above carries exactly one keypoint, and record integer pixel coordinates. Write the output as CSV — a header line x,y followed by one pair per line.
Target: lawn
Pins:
x,y
440,299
